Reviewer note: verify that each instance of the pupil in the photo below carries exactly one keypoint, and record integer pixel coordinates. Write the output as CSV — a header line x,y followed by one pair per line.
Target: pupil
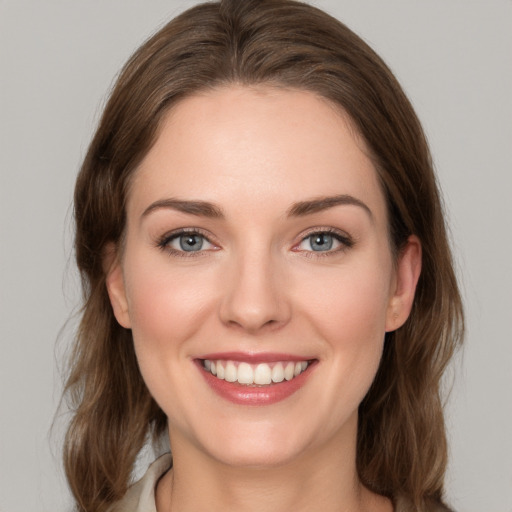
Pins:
x,y
191,243
321,242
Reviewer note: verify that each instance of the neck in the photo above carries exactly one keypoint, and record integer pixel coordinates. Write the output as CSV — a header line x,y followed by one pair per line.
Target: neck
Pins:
x,y
325,480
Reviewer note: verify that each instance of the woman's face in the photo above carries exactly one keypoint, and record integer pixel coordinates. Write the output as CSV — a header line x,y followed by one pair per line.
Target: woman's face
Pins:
x,y
257,249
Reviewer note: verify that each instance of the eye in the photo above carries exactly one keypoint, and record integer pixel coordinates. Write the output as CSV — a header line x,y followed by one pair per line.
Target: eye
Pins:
x,y
185,242
324,241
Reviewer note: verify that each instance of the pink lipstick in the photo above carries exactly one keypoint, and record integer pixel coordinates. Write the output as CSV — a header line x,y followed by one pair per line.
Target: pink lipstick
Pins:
x,y
255,379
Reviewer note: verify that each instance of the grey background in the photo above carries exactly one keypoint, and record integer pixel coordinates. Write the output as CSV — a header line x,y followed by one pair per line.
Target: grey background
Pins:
x,y
58,59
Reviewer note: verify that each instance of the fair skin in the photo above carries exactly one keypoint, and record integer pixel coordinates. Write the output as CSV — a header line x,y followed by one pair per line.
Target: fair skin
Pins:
x,y
286,251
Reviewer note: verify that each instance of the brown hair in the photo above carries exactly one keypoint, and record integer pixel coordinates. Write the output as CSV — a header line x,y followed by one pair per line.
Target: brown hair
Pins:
x,y
401,439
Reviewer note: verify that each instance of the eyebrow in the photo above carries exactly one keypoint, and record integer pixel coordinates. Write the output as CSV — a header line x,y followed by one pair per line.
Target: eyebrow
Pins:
x,y
199,208
323,203
299,209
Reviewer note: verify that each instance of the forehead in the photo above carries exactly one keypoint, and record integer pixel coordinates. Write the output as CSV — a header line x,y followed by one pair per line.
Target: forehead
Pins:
x,y
256,144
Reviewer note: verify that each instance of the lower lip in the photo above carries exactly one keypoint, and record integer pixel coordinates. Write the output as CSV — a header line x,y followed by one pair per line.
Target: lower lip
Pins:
x,y
255,395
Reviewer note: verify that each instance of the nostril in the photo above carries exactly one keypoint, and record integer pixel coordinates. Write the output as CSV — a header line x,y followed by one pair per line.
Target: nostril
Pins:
x,y
252,300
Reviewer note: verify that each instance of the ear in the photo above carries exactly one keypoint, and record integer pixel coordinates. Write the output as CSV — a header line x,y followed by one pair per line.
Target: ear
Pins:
x,y
408,269
114,281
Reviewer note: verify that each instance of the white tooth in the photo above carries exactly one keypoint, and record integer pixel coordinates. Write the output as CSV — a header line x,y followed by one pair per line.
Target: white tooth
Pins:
x,y
288,371
220,370
298,369
303,365
213,368
245,374
262,374
208,364
278,373
230,373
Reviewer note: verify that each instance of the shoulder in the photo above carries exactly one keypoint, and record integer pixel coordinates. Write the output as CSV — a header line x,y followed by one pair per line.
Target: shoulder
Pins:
x,y
402,504
140,497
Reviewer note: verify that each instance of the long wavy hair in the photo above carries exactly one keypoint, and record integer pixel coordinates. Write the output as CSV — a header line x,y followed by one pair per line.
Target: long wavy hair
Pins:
x,y
401,444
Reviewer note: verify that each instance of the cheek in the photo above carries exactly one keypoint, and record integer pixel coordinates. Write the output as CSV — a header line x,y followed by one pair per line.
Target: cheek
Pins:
x,y
355,330
351,304
166,308
350,314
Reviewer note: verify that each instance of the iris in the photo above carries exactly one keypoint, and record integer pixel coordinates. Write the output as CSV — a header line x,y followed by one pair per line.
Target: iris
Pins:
x,y
321,242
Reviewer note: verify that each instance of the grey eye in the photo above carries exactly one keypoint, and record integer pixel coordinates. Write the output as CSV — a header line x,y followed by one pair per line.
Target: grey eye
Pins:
x,y
190,242
321,241
325,241
185,242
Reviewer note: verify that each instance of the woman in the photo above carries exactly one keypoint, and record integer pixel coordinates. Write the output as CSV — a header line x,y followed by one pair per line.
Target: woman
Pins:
x,y
266,272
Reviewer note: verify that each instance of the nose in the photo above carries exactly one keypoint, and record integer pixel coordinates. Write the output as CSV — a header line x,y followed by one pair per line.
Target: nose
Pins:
x,y
255,298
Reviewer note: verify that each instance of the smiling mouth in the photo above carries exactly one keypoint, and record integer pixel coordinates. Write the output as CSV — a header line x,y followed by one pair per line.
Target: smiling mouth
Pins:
x,y
260,374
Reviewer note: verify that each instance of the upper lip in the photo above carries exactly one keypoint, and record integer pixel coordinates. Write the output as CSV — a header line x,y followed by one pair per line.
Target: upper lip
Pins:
x,y
254,357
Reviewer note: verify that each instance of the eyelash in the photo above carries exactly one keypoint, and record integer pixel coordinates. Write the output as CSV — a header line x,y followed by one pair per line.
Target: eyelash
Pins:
x,y
164,242
344,239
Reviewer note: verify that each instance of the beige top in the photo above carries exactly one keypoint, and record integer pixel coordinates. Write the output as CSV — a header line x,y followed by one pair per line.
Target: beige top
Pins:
x,y
140,497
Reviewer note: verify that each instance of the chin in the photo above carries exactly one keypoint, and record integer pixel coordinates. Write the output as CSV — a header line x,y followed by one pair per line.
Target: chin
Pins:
x,y
257,446
257,457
